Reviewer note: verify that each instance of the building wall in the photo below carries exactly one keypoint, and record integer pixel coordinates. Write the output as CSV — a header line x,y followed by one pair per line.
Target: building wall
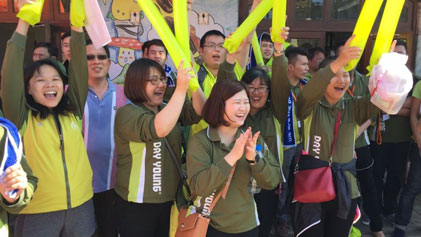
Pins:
x,y
126,21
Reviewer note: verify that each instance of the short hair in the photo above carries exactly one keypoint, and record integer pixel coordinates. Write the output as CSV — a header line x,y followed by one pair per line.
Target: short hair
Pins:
x,y
292,52
327,61
66,34
64,106
156,42
402,43
105,47
136,78
214,109
145,46
256,72
266,37
338,45
210,33
52,49
312,52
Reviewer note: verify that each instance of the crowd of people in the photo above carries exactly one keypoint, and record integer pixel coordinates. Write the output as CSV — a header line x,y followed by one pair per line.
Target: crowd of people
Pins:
x,y
101,159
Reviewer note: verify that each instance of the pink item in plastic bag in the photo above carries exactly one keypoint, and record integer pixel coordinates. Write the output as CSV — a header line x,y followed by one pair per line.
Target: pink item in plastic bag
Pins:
x,y
390,82
95,24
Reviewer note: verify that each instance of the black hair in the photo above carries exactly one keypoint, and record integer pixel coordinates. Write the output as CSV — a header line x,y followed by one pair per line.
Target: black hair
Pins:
x,y
210,33
65,35
145,46
327,61
64,106
254,73
312,52
156,42
52,49
105,47
338,45
402,43
266,37
292,52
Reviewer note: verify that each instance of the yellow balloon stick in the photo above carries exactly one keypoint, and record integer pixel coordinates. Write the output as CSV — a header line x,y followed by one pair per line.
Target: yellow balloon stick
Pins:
x,y
363,27
387,29
233,42
31,13
77,13
278,19
181,25
167,37
257,50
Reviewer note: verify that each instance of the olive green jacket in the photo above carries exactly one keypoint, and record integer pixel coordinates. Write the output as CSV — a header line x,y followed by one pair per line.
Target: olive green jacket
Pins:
x,y
359,88
270,119
208,172
146,173
319,121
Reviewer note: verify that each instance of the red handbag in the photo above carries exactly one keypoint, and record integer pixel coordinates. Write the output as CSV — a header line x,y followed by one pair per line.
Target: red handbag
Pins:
x,y
314,184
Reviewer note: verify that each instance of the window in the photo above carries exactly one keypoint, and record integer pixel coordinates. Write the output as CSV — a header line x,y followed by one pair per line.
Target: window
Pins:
x,y
308,9
345,9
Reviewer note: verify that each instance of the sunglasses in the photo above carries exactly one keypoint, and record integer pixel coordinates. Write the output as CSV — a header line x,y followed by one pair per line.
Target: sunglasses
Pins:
x,y
99,57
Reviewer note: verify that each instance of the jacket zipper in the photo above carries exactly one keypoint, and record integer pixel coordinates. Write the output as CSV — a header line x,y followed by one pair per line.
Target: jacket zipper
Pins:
x,y
63,157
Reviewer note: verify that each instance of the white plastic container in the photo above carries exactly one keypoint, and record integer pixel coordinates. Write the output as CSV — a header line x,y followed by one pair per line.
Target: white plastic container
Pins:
x,y
390,82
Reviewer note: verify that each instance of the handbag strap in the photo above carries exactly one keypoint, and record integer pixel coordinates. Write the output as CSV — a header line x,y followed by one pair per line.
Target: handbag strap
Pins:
x,y
223,192
335,135
178,165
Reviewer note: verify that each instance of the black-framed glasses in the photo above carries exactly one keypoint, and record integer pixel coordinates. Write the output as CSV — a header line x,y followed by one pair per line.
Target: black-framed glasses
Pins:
x,y
155,80
99,57
260,89
214,46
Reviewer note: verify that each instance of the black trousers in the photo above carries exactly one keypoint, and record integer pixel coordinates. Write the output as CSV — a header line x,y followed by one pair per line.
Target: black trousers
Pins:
x,y
266,202
365,176
142,219
104,218
212,232
390,158
331,225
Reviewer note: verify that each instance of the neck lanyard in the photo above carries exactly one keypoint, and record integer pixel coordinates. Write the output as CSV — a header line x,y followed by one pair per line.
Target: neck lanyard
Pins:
x,y
293,96
351,92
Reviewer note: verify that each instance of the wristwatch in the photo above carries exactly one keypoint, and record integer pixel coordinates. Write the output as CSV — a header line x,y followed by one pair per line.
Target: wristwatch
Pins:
x,y
256,159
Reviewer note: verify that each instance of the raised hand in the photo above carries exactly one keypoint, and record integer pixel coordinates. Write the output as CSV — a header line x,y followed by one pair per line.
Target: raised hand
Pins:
x,y
284,35
183,77
250,148
347,54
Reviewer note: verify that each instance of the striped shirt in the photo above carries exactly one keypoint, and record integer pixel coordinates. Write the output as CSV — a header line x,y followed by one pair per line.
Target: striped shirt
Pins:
x,y
98,131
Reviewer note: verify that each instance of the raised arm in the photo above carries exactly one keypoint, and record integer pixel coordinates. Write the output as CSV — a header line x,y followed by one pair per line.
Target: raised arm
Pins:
x,y
316,87
12,92
166,119
78,70
280,86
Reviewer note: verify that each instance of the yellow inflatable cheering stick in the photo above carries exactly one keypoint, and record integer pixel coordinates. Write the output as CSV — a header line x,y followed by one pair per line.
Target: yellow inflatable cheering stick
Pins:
x,y
168,38
278,19
31,12
363,27
387,29
233,42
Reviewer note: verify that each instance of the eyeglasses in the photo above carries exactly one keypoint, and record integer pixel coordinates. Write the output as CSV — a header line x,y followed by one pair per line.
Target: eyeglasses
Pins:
x,y
99,57
261,89
155,80
214,46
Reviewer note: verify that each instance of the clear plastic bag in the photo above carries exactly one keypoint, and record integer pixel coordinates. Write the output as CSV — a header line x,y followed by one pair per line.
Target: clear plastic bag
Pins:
x,y
390,82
